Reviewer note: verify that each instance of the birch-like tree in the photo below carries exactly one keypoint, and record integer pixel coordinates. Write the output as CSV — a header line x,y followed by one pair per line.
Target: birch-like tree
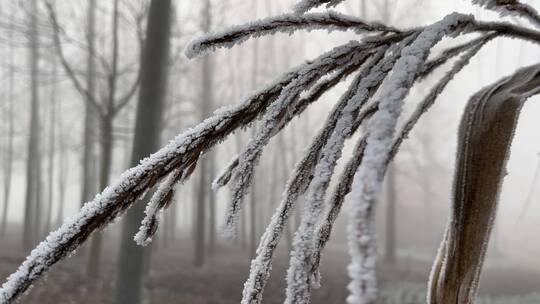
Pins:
x,y
103,106
384,63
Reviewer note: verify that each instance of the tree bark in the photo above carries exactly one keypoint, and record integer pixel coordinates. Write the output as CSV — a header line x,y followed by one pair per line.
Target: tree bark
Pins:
x,y
148,126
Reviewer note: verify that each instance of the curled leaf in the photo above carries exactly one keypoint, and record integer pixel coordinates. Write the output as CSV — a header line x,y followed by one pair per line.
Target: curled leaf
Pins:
x,y
484,141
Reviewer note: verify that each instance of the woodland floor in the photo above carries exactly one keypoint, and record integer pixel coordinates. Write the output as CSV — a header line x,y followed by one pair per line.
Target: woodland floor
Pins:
x,y
173,279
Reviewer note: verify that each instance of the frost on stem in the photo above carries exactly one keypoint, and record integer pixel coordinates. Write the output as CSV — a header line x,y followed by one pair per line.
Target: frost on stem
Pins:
x,y
306,5
279,111
511,8
289,23
297,184
160,201
299,279
298,107
224,176
368,179
343,187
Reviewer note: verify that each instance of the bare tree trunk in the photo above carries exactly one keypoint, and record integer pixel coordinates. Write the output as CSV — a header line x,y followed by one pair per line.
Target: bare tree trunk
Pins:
x,y
94,260
8,169
52,150
107,120
208,105
31,216
203,191
148,126
89,157
62,166
200,217
212,205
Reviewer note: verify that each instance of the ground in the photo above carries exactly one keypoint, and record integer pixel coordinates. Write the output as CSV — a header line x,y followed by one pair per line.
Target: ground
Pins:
x,y
173,279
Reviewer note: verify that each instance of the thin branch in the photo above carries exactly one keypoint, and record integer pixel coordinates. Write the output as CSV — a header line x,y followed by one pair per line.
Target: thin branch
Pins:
x,y
124,100
243,175
296,110
507,29
290,23
452,52
69,71
511,7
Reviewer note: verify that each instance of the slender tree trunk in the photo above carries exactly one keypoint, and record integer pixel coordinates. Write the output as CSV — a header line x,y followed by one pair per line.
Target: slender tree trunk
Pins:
x,y
94,261
31,217
107,120
211,205
62,168
200,221
8,169
52,150
147,133
89,157
208,105
203,194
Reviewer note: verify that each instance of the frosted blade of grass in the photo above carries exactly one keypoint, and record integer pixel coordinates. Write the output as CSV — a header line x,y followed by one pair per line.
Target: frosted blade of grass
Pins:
x,y
300,177
278,112
368,179
297,109
299,275
161,199
511,8
345,181
288,23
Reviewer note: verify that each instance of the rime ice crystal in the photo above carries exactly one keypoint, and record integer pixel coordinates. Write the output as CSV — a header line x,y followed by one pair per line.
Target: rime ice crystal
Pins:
x,y
370,174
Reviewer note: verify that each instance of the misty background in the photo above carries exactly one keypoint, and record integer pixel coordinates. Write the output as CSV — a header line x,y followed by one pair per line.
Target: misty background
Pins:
x,y
190,265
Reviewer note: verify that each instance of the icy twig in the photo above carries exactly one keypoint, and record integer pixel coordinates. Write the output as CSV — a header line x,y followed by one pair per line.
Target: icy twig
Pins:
x,y
289,23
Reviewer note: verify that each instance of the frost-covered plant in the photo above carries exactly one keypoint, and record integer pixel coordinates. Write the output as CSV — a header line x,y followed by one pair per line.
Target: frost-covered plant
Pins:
x,y
386,63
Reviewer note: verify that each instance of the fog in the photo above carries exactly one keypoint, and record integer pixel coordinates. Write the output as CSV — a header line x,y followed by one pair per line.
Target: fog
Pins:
x,y
423,170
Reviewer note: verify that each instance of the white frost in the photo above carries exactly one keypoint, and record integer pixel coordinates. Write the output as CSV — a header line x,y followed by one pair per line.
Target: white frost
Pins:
x,y
369,176
154,209
287,23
